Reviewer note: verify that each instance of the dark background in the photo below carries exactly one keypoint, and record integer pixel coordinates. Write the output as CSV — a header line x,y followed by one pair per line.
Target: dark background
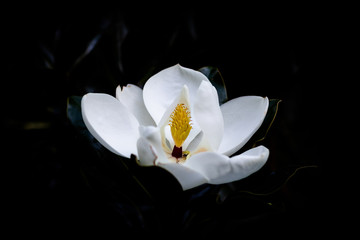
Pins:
x,y
56,181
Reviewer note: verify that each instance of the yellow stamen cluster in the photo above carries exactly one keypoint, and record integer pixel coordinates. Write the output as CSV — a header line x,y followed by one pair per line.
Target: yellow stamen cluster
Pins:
x,y
180,125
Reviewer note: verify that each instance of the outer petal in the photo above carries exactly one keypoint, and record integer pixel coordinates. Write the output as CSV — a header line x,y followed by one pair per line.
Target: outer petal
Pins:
x,y
242,118
132,98
162,88
110,123
208,115
219,168
187,177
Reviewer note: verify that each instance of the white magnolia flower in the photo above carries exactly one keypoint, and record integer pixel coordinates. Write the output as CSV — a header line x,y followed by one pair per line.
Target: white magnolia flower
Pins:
x,y
176,123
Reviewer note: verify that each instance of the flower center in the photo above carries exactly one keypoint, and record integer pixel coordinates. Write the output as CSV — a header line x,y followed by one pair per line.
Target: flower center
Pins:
x,y
180,127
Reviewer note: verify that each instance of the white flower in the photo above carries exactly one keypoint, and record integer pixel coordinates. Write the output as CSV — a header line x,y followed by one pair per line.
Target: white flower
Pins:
x,y
176,123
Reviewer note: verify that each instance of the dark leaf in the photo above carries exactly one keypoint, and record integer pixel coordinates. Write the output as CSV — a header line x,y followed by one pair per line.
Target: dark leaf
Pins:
x,y
267,123
74,112
90,46
121,33
48,57
214,75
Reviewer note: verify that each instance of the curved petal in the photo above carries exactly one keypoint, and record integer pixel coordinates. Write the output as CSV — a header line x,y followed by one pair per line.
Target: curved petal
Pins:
x,y
132,98
220,169
208,115
242,118
152,148
162,88
194,144
110,123
187,177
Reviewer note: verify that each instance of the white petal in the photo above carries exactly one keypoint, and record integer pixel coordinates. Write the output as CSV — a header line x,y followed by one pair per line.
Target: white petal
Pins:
x,y
220,169
162,88
194,144
151,153
110,122
153,150
147,154
187,177
242,118
208,115
132,98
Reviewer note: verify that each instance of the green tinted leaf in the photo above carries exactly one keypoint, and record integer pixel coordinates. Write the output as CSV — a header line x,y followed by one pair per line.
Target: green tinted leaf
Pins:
x,y
214,75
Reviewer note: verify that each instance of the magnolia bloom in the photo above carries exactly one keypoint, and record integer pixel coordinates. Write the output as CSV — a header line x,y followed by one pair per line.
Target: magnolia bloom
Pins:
x,y
175,122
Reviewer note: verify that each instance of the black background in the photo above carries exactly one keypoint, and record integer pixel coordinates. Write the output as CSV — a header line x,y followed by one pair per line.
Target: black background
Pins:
x,y
284,54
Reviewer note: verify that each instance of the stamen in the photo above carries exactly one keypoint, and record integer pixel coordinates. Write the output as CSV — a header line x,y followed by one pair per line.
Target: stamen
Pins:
x,y
180,127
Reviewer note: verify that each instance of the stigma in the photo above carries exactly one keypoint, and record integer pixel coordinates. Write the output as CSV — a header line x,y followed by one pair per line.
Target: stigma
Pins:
x,y
180,126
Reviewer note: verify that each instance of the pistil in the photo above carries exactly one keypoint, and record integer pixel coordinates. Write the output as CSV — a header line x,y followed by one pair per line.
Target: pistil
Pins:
x,y
177,152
